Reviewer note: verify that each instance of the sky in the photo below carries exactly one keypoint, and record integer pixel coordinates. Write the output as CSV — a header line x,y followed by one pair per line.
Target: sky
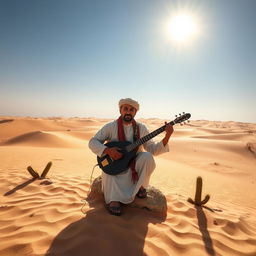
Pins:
x,y
78,58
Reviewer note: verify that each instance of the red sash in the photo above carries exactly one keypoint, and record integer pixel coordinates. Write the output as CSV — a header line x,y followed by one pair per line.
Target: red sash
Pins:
x,y
121,137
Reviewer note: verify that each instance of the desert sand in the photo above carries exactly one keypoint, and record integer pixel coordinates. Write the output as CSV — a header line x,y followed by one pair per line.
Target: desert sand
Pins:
x,y
50,217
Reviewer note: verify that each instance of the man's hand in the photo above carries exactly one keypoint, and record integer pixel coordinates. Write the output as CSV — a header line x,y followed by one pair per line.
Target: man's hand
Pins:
x,y
169,131
113,153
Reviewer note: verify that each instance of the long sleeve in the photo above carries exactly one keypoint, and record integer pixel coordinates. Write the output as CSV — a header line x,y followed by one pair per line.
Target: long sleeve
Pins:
x,y
96,142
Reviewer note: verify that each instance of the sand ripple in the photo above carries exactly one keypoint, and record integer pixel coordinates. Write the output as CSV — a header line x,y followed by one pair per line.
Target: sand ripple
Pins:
x,y
46,219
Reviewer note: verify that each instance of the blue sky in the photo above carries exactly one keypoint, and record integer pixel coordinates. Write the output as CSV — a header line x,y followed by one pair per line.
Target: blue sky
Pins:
x,y
78,58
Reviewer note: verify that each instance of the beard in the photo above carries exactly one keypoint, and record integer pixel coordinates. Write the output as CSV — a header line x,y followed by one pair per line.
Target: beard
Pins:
x,y
127,118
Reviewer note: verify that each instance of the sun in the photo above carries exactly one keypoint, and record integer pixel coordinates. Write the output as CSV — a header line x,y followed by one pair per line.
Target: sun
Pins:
x,y
182,28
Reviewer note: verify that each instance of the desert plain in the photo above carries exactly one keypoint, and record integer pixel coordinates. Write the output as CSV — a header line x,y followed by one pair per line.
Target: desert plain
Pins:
x,y
50,216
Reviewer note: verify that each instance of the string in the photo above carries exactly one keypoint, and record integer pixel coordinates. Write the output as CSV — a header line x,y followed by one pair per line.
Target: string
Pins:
x,y
84,201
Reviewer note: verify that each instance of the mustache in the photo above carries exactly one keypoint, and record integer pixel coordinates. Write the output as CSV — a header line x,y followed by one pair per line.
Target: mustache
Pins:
x,y
127,118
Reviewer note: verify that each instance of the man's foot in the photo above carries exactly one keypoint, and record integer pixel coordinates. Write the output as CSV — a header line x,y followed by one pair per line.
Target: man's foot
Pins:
x,y
142,193
114,208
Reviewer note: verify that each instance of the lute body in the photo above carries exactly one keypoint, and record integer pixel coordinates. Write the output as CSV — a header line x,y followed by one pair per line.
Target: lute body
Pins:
x,y
109,166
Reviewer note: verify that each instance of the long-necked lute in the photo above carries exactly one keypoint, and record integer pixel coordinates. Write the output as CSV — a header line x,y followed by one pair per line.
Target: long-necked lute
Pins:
x,y
128,149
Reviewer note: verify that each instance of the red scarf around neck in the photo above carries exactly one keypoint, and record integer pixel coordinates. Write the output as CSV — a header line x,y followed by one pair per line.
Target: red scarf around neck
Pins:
x,y
121,137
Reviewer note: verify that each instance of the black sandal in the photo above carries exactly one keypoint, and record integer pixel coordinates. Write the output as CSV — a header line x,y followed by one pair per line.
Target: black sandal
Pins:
x,y
142,193
115,210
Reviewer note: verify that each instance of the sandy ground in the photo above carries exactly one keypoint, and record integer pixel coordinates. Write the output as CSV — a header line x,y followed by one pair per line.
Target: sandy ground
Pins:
x,y
45,216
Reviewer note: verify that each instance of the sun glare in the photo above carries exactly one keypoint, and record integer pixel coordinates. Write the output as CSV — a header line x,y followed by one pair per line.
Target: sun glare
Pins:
x,y
182,28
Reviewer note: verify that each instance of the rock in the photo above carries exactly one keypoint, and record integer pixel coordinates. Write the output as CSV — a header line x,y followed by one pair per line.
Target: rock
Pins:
x,y
252,148
95,191
155,201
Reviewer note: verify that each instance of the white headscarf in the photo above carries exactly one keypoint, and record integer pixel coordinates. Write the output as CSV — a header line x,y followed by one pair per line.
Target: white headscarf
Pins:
x,y
131,102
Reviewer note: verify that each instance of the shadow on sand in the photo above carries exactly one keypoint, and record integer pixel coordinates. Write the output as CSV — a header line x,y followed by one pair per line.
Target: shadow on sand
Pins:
x,y
202,223
23,185
100,233
26,183
6,121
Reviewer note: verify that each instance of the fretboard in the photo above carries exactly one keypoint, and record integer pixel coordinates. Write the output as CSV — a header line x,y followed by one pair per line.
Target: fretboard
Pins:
x,y
144,139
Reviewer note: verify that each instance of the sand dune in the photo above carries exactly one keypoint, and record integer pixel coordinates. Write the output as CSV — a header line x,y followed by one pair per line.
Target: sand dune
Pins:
x,y
47,216
19,126
44,139
210,149
228,136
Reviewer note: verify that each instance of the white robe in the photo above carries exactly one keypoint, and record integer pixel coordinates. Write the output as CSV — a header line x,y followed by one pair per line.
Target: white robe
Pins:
x,y
120,187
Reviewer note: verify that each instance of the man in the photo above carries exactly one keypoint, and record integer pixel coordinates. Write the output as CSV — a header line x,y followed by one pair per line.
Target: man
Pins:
x,y
122,188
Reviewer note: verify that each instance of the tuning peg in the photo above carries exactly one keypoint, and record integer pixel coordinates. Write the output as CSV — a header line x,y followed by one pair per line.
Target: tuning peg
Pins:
x,y
179,114
183,113
181,123
176,115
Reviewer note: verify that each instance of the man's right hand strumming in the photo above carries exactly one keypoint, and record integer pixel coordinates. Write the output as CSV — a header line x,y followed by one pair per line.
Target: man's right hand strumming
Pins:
x,y
113,153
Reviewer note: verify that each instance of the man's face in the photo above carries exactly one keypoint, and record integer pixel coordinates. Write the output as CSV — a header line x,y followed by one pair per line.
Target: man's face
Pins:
x,y
127,112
